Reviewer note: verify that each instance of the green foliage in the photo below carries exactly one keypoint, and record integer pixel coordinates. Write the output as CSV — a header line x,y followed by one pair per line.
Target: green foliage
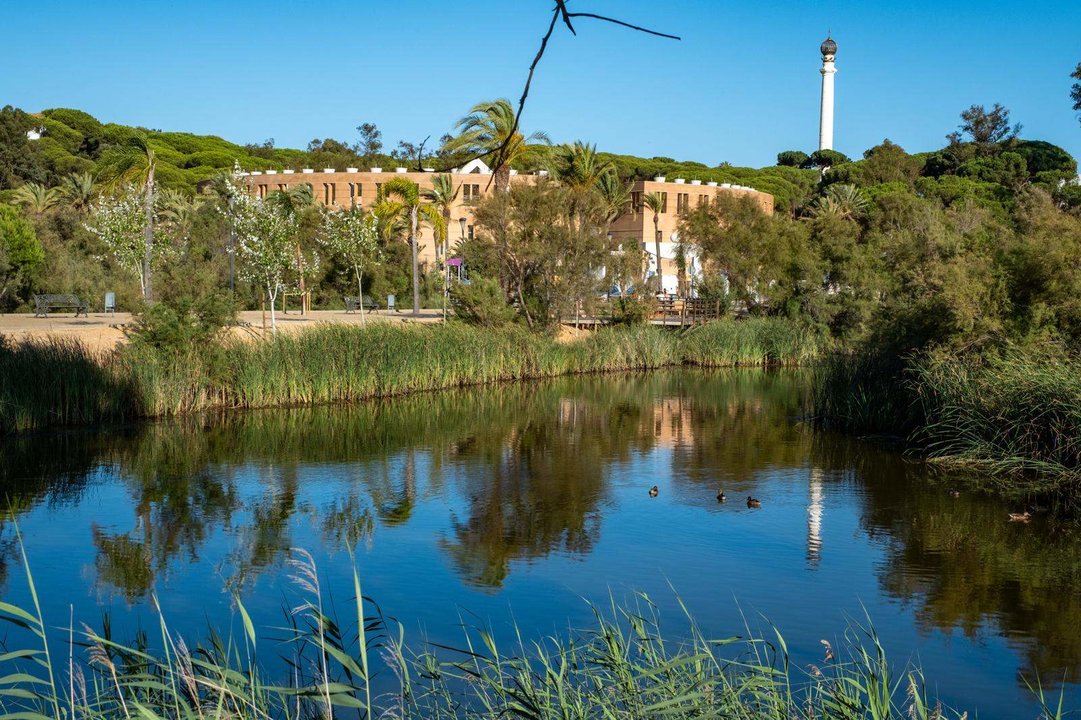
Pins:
x,y
792,158
481,302
1042,157
984,128
633,309
547,244
1007,169
21,253
825,158
184,326
18,241
19,162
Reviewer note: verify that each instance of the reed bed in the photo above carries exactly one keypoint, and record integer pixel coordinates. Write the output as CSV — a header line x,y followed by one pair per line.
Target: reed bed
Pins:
x,y
866,392
1015,412
625,665
58,381
753,342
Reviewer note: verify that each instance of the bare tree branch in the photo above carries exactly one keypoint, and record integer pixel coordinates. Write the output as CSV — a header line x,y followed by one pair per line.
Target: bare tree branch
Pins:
x,y
626,25
559,12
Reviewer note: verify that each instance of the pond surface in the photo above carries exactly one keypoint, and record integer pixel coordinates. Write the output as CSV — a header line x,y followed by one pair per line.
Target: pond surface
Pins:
x,y
520,503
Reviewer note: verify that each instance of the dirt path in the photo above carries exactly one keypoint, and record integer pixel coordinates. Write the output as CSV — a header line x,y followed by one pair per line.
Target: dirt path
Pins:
x,y
103,332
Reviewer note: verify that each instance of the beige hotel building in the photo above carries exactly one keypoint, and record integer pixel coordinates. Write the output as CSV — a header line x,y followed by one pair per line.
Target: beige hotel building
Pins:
x,y
337,188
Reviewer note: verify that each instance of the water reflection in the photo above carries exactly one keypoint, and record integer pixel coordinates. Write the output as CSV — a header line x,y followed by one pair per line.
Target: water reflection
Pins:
x,y
500,478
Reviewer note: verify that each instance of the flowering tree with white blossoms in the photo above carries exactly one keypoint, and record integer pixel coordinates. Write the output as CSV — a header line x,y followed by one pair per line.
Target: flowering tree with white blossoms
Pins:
x,y
353,236
265,243
120,223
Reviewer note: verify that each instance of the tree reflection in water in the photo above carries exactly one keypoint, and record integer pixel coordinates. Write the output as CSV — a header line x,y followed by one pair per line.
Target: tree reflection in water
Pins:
x,y
527,471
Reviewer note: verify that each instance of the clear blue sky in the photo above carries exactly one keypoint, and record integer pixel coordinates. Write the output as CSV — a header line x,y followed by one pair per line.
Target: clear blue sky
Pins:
x,y
741,85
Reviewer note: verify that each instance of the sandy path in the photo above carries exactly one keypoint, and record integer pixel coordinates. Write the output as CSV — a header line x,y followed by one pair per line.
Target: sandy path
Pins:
x,y
104,332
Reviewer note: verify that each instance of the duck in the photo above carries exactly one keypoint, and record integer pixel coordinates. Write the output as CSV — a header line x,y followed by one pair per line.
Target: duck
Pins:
x,y
654,492
1021,517
721,497
753,502
955,493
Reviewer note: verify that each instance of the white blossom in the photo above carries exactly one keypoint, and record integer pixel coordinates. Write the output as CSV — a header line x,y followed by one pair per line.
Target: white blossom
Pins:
x,y
265,244
353,236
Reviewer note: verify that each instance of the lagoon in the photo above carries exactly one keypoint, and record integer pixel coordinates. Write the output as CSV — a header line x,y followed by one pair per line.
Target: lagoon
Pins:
x,y
520,503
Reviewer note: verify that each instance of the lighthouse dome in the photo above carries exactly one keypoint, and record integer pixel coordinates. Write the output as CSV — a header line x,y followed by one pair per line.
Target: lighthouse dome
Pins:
x,y
829,47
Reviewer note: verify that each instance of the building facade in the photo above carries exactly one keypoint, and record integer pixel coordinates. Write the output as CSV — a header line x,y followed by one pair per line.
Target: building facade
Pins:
x,y
678,196
352,187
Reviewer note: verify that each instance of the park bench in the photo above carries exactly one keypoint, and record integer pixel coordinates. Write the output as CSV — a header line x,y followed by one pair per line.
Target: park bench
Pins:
x,y
44,303
356,302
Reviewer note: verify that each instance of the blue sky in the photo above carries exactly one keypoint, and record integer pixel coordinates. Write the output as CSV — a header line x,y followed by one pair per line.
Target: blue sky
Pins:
x,y
741,85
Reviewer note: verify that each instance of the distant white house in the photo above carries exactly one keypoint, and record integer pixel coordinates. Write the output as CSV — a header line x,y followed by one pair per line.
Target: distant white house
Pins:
x,y
35,133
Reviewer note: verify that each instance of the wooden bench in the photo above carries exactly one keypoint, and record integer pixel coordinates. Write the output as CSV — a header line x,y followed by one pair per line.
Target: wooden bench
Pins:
x,y
44,303
354,303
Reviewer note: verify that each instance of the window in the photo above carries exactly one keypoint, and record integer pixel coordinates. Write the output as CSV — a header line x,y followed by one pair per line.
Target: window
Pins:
x,y
683,202
282,187
352,194
636,202
702,200
469,231
470,194
378,189
326,193
262,191
664,202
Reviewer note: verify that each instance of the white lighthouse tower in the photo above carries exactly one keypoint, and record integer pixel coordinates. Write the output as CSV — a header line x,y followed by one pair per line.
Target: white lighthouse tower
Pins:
x,y
825,123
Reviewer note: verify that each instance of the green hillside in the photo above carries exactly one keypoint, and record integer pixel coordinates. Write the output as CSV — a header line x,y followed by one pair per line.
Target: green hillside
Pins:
x,y
74,141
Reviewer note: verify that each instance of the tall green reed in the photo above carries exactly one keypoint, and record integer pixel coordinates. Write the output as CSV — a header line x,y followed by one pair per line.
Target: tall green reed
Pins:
x,y
58,381
626,664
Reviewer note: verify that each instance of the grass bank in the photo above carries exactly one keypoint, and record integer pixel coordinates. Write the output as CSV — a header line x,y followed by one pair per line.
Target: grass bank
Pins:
x,y
1011,414
59,381
359,664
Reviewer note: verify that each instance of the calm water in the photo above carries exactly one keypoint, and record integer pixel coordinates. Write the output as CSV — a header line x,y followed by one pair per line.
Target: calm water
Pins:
x,y
524,502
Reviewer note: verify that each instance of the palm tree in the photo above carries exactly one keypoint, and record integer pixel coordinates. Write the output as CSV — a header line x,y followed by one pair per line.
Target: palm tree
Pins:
x,y
489,131
846,202
654,201
442,197
615,195
408,202
78,189
294,200
176,208
578,166
36,199
136,162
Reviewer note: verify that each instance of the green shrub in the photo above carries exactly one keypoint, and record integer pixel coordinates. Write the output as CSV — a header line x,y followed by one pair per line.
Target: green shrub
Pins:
x,y
85,123
632,309
183,326
481,302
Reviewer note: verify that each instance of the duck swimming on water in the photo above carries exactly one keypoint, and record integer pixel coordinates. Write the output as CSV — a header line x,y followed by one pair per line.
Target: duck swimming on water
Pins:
x,y
753,502
654,492
721,497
